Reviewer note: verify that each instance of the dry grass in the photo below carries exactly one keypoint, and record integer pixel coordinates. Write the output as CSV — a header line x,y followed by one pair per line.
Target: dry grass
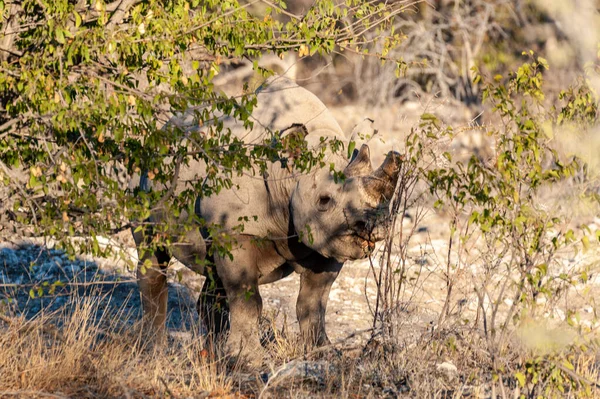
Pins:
x,y
80,355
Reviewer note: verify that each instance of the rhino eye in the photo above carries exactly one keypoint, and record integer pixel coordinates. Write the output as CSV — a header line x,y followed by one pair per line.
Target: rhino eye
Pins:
x,y
359,227
324,202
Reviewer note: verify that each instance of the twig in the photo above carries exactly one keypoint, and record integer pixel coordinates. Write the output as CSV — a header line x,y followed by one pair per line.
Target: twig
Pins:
x,y
119,13
318,350
212,21
7,125
162,380
578,377
30,394
281,10
341,341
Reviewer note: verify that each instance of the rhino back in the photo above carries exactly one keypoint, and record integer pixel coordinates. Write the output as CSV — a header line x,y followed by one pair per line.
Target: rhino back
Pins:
x,y
281,103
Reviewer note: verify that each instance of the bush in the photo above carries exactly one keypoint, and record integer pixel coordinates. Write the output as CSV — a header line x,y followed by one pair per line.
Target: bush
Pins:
x,y
507,246
87,87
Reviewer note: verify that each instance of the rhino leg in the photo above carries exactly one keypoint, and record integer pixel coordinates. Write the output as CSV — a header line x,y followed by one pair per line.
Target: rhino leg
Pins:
x,y
190,249
152,281
315,282
153,288
212,305
240,280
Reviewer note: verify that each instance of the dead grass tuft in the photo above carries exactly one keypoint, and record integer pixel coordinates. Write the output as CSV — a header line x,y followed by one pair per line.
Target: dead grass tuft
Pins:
x,y
82,355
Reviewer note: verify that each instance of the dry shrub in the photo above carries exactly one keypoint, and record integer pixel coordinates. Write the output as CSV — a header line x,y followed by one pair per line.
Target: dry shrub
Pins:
x,y
511,285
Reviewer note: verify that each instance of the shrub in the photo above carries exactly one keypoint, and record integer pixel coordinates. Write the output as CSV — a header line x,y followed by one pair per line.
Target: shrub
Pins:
x,y
506,245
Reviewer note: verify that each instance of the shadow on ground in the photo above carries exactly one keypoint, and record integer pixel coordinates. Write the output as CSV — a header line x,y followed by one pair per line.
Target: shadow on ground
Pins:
x,y
37,281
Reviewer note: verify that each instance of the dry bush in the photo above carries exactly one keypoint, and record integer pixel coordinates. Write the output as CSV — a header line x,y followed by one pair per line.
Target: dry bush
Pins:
x,y
511,285
442,40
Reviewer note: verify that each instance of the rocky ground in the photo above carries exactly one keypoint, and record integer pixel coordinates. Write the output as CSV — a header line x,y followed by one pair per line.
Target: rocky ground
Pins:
x,y
36,280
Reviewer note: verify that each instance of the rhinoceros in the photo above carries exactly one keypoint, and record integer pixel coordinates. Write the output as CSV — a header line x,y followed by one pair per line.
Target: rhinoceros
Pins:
x,y
309,223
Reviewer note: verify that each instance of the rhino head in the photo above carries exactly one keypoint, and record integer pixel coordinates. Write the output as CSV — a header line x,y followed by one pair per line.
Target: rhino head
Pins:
x,y
343,220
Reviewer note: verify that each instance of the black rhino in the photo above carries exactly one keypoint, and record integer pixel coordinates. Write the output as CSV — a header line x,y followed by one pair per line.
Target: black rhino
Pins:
x,y
307,223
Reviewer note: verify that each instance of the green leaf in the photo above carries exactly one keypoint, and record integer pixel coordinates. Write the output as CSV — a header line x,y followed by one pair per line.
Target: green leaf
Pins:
x,y
351,146
585,241
33,181
77,19
568,365
521,378
429,117
59,36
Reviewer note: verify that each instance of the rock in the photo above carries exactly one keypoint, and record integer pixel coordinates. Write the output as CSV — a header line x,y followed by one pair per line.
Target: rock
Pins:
x,y
302,370
447,371
390,392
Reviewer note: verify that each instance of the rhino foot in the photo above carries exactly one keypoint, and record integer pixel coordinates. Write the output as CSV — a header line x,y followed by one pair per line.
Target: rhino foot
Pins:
x,y
250,354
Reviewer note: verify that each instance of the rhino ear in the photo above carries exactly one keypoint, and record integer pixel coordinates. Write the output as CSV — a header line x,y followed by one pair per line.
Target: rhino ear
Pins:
x,y
297,131
382,183
360,164
390,168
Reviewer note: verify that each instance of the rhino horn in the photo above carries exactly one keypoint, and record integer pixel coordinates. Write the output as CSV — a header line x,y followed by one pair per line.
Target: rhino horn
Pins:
x,y
360,164
382,183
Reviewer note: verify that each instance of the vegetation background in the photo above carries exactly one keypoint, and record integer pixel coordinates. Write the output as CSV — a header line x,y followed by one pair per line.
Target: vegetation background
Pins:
x,y
488,282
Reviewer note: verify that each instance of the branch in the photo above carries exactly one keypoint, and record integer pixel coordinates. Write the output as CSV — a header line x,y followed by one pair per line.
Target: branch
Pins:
x,y
119,13
212,21
26,197
7,39
7,125
281,10
83,7
12,52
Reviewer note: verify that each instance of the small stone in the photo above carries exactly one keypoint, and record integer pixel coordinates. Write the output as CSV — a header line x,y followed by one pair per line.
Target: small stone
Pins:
x,y
299,370
390,392
447,371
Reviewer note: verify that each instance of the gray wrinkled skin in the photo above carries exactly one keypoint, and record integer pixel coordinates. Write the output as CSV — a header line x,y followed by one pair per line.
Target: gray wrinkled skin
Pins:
x,y
305,223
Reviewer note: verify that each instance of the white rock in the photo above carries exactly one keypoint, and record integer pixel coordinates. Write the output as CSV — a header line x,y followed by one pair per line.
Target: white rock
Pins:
x,y
540,300
447,371
302,370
